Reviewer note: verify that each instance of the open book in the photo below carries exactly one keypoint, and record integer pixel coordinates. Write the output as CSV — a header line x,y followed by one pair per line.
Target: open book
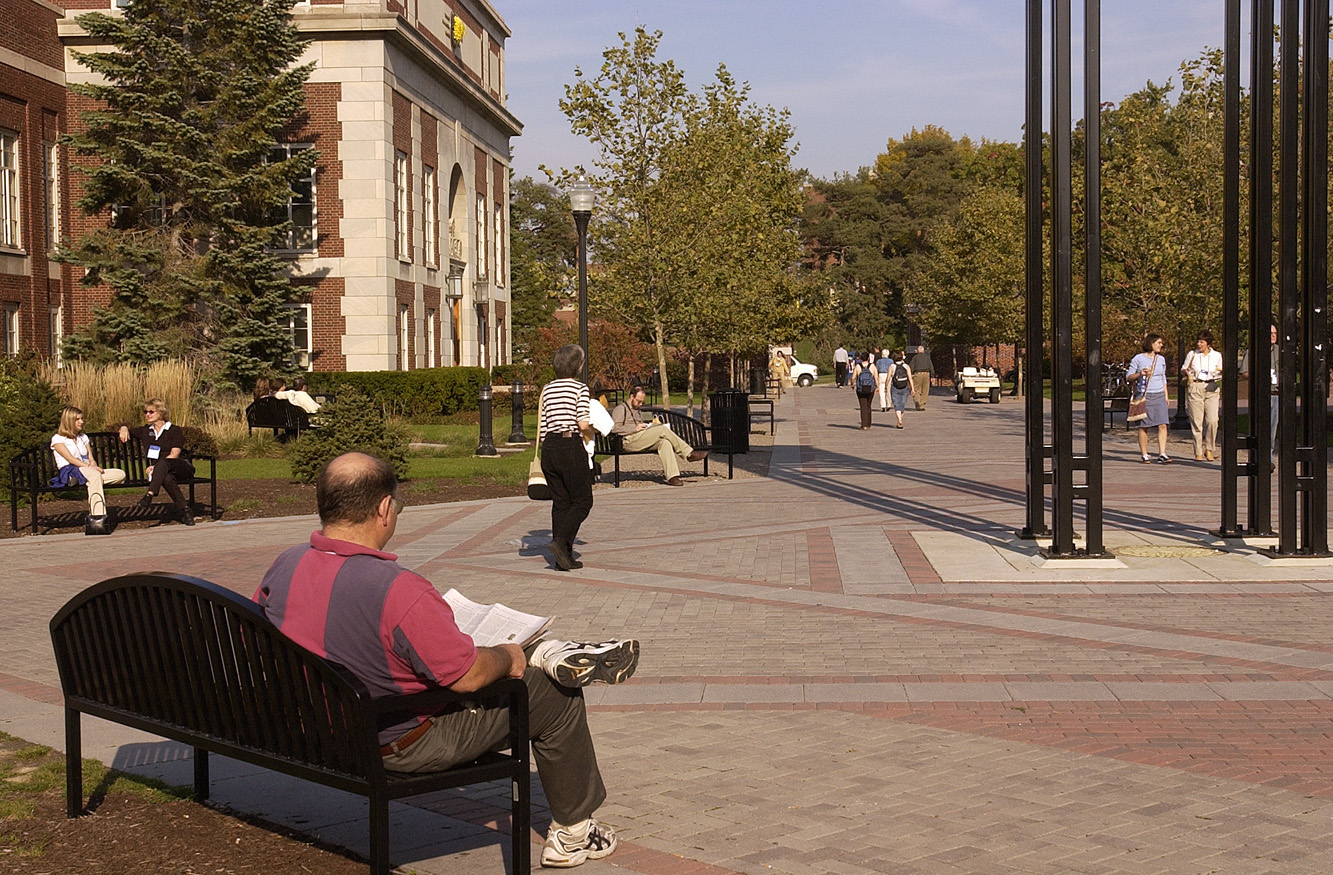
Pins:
x,y
489,625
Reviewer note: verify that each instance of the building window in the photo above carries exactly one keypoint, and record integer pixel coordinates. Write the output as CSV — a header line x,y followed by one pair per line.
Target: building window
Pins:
x,y
9,189
57,335
481,236
432,219
498,233
431,361
298,329
300,207
51,184
404,334
401,194
482,336
9,328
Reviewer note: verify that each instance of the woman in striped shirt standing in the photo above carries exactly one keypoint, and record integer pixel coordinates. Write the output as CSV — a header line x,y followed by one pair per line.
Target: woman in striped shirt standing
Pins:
x,y
564,425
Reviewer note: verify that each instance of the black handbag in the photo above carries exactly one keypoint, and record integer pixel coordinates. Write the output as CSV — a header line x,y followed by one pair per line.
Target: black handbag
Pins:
x,y
102,524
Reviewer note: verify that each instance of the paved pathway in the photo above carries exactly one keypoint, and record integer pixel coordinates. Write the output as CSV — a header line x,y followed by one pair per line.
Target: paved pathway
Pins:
x,y
849,666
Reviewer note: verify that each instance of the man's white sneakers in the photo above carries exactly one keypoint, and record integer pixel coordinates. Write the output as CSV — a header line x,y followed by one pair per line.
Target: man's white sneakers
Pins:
x,y
570,846
575,664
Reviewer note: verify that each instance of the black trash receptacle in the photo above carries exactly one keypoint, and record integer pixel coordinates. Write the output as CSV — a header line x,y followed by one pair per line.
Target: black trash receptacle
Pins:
x,y
758,381
729,410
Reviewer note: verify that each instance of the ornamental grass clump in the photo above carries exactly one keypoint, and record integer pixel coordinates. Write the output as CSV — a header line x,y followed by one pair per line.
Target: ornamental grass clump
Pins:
x,y
350,423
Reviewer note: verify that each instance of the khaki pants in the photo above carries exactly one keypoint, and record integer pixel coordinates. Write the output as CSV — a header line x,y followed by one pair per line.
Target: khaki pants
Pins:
x,y
666,442
920,390
882,386
1201,402
96,495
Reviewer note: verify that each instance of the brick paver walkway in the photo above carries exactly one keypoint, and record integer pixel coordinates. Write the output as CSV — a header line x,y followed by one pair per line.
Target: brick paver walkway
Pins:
x,y
848,667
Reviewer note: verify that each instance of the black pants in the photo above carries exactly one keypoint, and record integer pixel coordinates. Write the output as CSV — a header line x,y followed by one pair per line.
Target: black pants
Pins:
x,y
840,373
565,464
168,474
864,401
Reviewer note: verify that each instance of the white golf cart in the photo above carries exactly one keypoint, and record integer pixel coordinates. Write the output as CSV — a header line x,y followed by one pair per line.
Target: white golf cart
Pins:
x,y
977,383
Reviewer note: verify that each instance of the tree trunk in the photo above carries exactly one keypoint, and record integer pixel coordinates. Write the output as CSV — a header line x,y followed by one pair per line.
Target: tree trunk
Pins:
x,y
708,377
689,391
660,345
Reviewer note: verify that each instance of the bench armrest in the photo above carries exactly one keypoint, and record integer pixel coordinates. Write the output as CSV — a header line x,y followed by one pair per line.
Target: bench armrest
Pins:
x,y
432,699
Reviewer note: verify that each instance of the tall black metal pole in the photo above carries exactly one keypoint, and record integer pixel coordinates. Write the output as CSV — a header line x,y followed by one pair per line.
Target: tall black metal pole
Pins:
x,y
1261,265
1092,276
581,222
1229,527
1034,421
1288,278
1314,260
1062,390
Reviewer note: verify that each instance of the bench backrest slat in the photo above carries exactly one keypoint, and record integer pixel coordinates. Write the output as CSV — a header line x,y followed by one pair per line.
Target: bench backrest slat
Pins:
x,y
193,655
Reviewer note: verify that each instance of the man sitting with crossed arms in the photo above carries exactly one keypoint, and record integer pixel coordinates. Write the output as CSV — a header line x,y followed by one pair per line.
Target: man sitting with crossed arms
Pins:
x,y
638,435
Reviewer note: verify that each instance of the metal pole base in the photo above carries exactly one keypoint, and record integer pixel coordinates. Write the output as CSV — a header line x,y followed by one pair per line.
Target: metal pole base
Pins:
x,y
1076,553
1028,534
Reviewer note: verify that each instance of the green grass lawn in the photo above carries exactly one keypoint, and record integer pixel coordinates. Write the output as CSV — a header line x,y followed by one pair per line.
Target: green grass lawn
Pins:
x,y
509,469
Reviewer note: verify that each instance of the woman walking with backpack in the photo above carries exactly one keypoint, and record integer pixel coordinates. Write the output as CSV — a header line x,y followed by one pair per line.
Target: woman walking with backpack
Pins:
x,y
900,385
863,379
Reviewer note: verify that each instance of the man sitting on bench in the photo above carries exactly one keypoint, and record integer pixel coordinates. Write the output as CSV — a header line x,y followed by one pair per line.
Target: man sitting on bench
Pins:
x,y
342,597
657,437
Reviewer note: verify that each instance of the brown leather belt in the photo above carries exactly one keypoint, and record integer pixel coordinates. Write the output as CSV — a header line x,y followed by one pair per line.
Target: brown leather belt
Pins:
x,y
407,739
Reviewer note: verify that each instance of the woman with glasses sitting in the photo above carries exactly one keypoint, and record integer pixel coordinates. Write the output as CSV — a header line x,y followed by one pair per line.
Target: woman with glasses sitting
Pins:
x,y
163,445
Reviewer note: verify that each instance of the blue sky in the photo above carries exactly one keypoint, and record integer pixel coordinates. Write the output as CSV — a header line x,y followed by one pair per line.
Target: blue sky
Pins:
x,y
854,73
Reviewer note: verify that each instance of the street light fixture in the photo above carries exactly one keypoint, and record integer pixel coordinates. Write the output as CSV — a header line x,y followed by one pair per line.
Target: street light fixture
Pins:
x,y
581,199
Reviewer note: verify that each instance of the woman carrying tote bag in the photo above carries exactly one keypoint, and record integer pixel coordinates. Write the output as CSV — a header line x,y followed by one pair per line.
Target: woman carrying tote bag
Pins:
x,y
1147,370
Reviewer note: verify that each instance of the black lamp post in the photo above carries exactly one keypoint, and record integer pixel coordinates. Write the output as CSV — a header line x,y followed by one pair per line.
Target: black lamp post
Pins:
x,y
581,198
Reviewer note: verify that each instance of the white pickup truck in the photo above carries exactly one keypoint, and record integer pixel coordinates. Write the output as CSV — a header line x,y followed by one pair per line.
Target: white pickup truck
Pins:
x,y
803,374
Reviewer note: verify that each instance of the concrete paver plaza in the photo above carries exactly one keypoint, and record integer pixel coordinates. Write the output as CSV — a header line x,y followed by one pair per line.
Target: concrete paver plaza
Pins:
x,y
848,666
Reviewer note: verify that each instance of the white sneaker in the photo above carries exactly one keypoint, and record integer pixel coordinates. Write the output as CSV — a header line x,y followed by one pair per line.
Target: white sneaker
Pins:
x,y
570,846
574,664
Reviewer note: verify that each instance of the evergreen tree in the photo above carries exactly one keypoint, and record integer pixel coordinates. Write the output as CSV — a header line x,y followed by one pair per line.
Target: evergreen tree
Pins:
x,y
194,94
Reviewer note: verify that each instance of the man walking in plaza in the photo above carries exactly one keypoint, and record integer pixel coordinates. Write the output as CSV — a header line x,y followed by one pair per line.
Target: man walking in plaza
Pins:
x,y
840,366
657,437
923,371
342,597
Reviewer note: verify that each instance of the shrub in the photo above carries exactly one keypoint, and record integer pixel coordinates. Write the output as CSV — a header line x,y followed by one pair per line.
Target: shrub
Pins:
x,y
352,423
29,410
420,394
112,394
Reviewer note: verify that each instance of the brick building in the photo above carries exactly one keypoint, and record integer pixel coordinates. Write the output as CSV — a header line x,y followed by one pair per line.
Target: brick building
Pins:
x,y
34,291
401,236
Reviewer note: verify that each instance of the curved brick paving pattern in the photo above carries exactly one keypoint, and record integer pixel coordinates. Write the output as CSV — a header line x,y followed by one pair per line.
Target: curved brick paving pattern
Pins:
x,y
848,667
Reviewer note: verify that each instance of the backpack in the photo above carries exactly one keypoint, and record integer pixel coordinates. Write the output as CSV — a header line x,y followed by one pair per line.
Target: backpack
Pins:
x,y
900,377
865,382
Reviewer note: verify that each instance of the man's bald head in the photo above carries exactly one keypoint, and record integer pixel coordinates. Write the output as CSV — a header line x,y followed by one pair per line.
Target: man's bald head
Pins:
x,y
351,487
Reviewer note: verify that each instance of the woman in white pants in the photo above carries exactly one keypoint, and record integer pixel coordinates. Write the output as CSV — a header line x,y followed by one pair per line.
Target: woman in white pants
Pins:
x,y
75,463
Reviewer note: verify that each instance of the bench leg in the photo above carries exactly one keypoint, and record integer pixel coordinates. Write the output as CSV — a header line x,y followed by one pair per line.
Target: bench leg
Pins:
x,y
200,774
73,764
617,480
379,835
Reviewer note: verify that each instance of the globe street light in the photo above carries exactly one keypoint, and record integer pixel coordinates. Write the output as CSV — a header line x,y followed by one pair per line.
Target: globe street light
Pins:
x,y
581,198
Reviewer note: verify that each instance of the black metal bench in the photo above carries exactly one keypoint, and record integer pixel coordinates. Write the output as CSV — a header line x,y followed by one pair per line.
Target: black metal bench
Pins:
x,y
690,430
30,474
1113,405
760,414
286,419
199,664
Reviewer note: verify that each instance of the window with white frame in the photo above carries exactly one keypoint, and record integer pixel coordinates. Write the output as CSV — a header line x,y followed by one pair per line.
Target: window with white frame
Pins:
x,y
57,335
9,189
9,327
431,360
401,199
51,185
481,236
300,207
432,219
482,337
298,329
497,233
404,335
